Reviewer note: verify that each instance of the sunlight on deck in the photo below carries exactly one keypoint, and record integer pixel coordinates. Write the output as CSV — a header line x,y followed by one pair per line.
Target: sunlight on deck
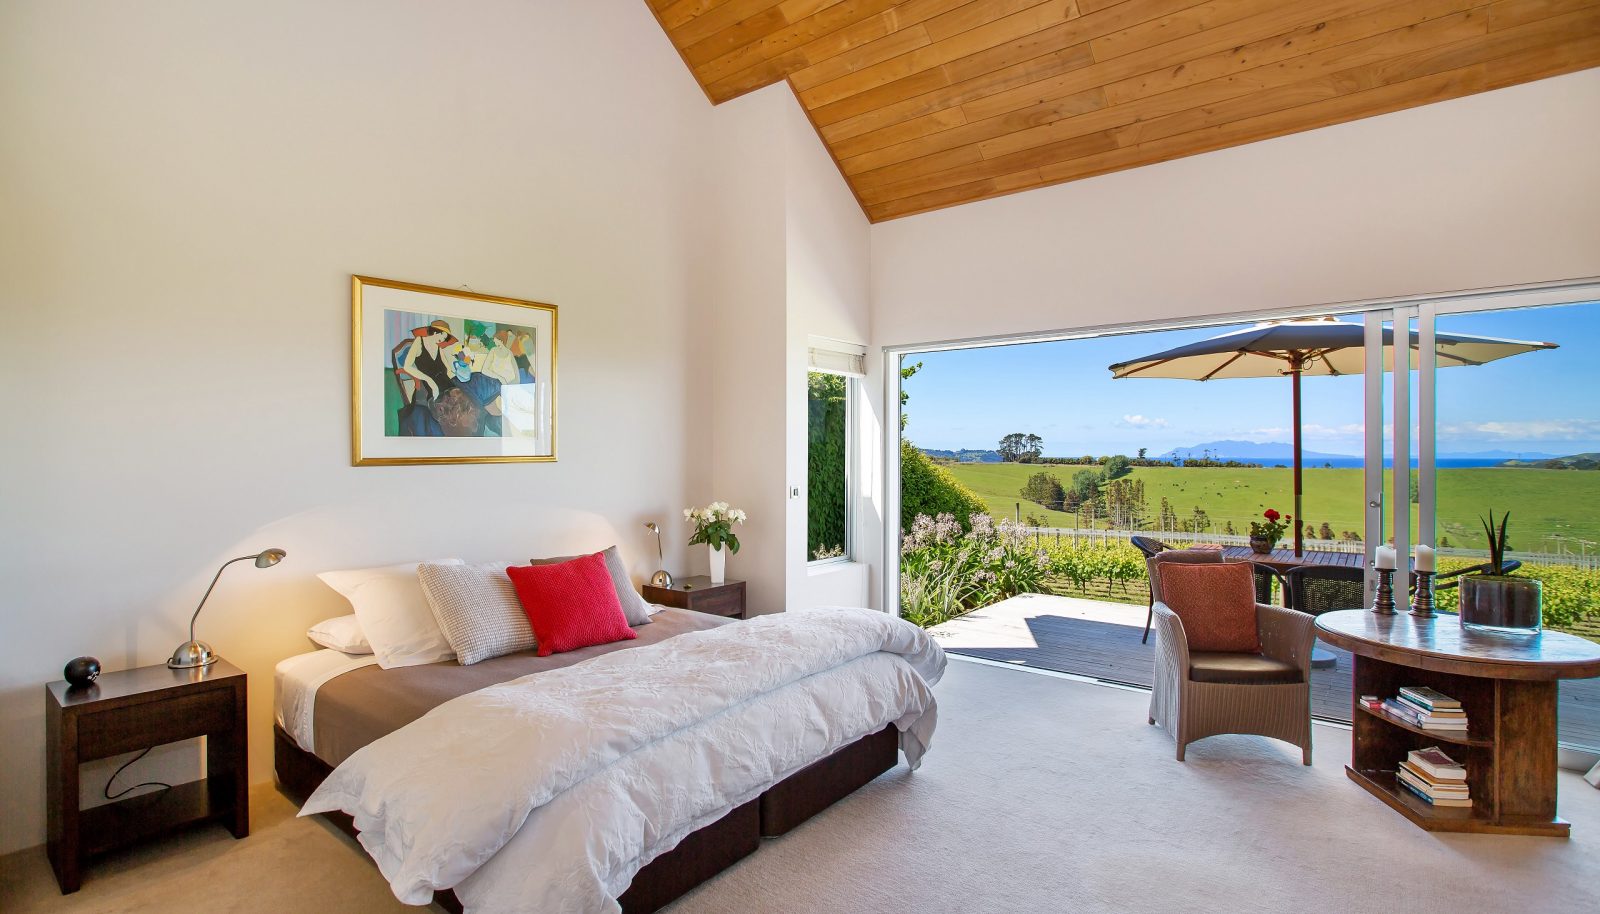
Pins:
x,y
1004,625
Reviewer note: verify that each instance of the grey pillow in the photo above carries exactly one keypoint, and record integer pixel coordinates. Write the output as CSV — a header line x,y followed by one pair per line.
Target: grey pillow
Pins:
x,y
633,605
477,609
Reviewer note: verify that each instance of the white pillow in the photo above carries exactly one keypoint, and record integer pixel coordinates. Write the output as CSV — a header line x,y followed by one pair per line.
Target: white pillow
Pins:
x,y
342,633
393,613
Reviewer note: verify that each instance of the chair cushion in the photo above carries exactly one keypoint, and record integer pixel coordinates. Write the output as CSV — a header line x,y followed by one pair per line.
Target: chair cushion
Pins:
x,y
1240,668
1215,602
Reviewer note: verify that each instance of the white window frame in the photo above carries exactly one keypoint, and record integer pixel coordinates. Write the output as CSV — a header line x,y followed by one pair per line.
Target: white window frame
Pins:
x,y
852,453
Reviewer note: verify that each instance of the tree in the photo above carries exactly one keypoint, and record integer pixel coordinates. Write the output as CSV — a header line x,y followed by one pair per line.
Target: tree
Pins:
x,y
1033,448
1125,504
906,371
1045,489
1012,446
1169,517
1021,447
1118,465
926,488
1142,452
1325,531
1086,485
1198,522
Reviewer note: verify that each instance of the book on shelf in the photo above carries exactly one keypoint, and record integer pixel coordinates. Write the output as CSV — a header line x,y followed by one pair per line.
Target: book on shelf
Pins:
x,y
1437,713
1429,699
1434,785
1422,793
1437,764
1418,718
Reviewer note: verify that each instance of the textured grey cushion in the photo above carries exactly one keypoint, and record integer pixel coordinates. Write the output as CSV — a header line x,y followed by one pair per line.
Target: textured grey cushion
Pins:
x,y
633,605
477,609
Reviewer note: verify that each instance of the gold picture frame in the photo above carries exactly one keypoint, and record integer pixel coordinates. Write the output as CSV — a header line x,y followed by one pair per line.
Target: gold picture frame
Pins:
x,y
442,376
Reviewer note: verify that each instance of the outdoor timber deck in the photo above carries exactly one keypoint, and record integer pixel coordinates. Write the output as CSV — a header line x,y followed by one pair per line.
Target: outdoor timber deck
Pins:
x,y
1101,641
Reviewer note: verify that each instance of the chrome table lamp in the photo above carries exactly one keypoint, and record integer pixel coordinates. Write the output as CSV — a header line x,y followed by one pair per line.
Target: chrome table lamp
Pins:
x,y
660,578
192,653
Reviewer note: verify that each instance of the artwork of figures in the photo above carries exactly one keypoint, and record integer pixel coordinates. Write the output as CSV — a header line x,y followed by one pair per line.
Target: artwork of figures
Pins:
x,y
449,376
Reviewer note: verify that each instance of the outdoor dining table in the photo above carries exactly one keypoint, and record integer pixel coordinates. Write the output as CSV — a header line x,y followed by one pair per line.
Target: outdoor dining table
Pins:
x,y
1281,560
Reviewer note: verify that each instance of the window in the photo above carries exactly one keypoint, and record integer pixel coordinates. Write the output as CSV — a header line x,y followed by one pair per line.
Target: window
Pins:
x,y
828,411
836,369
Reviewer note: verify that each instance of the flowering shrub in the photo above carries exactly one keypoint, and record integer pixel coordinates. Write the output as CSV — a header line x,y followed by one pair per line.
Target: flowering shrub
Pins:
x,y
945,572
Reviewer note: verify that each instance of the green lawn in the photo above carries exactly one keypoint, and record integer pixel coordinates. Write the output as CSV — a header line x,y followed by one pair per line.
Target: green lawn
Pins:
x,y
1542,502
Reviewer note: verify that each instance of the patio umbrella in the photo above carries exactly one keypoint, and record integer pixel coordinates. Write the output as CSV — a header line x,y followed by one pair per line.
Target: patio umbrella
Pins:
x,y
1312,346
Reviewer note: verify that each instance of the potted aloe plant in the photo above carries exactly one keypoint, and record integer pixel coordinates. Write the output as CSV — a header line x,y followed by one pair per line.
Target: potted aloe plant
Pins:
x,y
1500,602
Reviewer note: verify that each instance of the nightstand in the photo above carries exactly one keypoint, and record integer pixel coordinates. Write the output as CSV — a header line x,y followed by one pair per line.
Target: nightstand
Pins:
x,y
699,594
131,710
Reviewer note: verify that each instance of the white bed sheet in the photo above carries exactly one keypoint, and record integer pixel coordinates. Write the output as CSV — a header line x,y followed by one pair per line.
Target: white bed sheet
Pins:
x,y
295,683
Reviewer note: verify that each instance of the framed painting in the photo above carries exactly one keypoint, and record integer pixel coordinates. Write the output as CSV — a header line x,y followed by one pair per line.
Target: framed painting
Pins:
x,y
449,376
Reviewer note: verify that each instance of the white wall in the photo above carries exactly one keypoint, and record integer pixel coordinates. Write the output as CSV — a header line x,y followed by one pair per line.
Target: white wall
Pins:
x,y
1488,190
744,319
185,188
828,242
792,248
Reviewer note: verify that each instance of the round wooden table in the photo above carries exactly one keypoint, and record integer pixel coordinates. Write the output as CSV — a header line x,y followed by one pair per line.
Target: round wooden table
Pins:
x,y
1507,685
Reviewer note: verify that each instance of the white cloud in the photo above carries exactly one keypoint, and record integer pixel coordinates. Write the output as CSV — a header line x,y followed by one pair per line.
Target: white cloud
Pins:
x,y
1524,430
1138,421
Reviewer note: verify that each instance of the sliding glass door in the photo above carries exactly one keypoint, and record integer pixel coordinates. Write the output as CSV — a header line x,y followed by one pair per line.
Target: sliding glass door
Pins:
x,y
1490,412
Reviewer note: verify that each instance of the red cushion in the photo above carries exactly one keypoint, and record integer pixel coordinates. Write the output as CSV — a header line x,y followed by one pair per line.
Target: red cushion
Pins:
x,y
1215,602
571,604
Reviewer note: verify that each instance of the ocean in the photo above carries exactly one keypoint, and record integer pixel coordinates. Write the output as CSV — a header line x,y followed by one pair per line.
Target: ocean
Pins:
x,y
1345,463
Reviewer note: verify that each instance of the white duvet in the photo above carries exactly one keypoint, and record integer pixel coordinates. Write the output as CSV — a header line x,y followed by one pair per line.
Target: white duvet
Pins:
x,y
548,793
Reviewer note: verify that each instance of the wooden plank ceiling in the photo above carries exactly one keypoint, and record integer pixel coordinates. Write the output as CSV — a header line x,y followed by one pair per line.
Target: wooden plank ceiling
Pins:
x,y
931,103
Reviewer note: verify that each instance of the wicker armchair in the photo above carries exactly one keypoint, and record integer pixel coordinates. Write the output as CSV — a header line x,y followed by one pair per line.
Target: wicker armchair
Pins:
x,y
1199,694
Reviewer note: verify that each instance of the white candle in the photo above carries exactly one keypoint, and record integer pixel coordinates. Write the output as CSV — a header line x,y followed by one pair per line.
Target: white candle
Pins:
x,y
1386,558
1425,558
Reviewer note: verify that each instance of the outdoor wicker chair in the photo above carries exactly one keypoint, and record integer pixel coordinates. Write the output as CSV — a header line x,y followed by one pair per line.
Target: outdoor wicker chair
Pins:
x,y
1148,547
1317,589
1206,693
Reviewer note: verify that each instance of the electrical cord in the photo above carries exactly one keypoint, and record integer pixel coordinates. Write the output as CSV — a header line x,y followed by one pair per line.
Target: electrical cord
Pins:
x,y
127,790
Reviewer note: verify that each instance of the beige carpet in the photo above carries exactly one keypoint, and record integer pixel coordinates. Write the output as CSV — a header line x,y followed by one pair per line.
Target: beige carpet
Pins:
x,y
1039,795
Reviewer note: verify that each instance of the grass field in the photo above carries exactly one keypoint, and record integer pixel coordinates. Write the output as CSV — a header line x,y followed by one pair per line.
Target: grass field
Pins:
x,y
1543,503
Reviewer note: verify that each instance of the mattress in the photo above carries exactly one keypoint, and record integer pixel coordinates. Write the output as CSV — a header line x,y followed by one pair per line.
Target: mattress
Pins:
x,y
332,709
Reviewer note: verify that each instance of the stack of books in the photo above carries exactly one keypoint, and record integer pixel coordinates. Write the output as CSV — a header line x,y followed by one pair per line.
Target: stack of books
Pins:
x,y
1427,708
1435,777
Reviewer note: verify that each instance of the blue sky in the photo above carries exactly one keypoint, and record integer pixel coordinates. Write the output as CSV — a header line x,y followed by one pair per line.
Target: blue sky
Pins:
x,y
1537,402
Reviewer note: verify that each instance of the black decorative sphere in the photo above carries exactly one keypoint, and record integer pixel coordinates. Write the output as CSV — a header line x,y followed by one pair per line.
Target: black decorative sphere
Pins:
x,y
82,671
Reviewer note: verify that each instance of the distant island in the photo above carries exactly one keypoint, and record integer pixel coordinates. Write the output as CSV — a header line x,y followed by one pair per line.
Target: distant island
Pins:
x,y
1589,461
965,455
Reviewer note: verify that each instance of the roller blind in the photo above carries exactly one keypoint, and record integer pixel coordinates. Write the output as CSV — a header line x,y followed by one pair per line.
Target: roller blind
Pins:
x,y
835,357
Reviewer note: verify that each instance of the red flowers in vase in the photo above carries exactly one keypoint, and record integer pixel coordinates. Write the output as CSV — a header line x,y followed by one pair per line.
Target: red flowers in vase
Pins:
x,y
1265,534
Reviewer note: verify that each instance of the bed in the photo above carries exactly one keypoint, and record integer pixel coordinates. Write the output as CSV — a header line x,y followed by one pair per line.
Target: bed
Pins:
x,y
330,706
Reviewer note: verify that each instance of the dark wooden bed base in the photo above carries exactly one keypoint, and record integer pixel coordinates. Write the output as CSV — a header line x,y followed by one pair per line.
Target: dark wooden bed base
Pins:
x,y
705,852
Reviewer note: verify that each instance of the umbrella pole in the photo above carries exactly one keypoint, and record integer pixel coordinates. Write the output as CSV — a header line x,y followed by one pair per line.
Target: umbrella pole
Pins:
x,y
1299,520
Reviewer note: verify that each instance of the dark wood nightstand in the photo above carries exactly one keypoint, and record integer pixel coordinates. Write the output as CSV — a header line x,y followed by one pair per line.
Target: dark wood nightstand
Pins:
x,y
136,709
699,594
